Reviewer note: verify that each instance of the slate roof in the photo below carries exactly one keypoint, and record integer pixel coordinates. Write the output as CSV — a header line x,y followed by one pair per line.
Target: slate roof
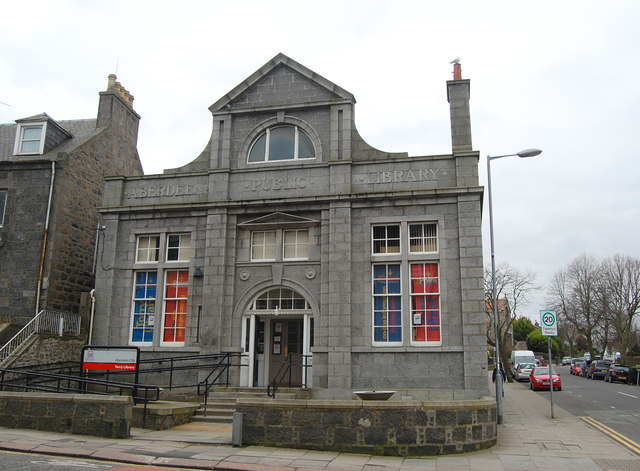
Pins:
x,y
79,129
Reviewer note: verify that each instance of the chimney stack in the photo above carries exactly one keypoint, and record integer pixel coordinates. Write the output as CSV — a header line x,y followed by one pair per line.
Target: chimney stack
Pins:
x,y
115,87
458,93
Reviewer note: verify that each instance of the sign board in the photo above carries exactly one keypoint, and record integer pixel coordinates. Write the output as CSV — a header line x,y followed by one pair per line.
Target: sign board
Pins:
x,y
549,323
110,358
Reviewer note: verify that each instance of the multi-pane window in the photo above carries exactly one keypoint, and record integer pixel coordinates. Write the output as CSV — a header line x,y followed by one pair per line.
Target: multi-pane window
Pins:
x,y
263,245
3,205
425,302
176,293
296,244
387,303
412,299
280,299
148,248
386,239
282,143
144,306
30,139
179,247
423,238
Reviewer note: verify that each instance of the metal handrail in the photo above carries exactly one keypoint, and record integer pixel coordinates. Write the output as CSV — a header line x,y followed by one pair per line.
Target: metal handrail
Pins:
x,y
45,322
285,371
224,364
28,380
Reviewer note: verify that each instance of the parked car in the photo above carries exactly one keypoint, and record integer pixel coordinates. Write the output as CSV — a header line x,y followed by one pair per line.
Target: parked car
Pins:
x,y
617,373
598,369
566,361
576,368
523,371
541,379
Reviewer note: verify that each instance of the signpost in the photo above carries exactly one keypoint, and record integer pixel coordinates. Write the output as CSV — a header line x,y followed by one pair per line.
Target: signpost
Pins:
x,y
108,358
549,327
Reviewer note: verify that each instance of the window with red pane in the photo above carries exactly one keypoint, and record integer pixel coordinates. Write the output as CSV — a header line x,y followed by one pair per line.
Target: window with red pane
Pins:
x,y
425,303
176,293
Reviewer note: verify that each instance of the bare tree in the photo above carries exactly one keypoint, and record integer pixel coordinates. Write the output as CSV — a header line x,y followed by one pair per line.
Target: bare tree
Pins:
x,y
575,295
512,289
620,297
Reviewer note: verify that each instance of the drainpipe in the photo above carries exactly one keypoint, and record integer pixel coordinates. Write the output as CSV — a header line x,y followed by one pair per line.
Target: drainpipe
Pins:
x,y
93,310
95,249
45,237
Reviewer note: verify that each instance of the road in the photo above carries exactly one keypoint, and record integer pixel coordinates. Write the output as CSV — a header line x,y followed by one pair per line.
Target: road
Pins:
x,y
35,462
613,404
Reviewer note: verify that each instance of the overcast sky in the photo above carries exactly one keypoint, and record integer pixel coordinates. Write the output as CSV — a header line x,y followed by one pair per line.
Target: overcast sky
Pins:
x,y
559,76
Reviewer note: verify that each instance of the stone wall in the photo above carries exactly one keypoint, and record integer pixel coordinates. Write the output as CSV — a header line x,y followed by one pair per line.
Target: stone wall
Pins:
x,y
402,428
81,414
48,349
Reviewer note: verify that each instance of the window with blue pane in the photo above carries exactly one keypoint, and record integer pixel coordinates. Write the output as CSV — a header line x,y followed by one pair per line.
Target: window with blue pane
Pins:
x,y
387,303
144,306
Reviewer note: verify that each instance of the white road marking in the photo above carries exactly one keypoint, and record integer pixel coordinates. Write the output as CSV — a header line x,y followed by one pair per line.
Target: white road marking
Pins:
x,y
630,395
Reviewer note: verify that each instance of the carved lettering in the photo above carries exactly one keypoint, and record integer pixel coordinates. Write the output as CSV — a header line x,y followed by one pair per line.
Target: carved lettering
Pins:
x,y
277,184
401,176
167,191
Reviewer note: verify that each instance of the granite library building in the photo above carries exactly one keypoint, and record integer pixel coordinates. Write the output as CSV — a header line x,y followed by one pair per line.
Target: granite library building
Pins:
x,y
289,238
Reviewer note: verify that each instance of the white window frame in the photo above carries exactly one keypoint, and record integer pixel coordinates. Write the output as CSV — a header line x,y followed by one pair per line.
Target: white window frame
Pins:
x,y
386,239
296,145
22,127
297,245
412,311
156,301
185,251
148,250
425,239
374,296
165,299
263,246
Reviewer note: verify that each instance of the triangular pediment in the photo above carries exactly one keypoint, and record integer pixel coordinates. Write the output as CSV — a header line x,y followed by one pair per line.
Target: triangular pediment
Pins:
x,y
281,82
278,219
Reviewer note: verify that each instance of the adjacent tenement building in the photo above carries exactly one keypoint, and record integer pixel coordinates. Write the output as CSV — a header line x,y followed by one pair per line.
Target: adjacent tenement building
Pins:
x,y
289,237
51,184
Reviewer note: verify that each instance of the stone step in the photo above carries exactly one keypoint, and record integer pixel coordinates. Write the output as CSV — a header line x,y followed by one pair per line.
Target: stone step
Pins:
x,y
213,419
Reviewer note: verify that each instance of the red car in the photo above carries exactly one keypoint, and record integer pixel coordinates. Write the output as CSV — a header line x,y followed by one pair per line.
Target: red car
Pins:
x,y
576,368
539,379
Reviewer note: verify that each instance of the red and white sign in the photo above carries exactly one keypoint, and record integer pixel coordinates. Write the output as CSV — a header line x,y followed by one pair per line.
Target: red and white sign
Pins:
x,y
110,359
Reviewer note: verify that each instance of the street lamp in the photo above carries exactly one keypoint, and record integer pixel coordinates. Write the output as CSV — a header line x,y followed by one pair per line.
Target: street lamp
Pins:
x,y
494,295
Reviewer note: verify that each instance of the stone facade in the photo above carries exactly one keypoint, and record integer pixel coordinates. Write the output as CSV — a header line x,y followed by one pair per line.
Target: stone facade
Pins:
x,y
80,414
408,428
52,194
363,267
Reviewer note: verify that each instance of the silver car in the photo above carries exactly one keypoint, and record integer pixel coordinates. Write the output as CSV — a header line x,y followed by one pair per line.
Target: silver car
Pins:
x,y
523,370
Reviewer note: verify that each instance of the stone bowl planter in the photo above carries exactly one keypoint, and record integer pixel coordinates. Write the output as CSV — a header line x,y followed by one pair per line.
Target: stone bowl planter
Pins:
x,y
374,395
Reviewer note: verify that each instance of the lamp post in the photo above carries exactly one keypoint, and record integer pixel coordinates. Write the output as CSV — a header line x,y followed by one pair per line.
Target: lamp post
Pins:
x,y
494,295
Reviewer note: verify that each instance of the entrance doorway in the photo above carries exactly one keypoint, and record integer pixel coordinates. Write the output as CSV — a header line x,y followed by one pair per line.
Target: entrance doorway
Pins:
x,y
286,355
278,335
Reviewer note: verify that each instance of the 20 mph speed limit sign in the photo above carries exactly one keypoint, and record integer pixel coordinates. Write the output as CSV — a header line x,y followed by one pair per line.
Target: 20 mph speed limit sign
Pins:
x,y
549,323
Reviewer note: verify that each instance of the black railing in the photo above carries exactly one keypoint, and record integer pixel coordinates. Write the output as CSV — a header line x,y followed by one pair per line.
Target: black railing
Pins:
x,y
287,369
28,380
33,380
163,371
212,379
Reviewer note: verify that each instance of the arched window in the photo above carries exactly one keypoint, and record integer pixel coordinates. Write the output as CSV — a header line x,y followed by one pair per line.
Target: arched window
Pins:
x,y
280,299
282,143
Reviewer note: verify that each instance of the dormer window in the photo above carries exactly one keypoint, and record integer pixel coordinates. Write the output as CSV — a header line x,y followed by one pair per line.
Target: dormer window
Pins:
x,y
30,139
282,143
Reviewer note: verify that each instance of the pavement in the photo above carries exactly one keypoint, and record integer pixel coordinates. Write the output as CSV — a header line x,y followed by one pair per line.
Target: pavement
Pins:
x,y
529,439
